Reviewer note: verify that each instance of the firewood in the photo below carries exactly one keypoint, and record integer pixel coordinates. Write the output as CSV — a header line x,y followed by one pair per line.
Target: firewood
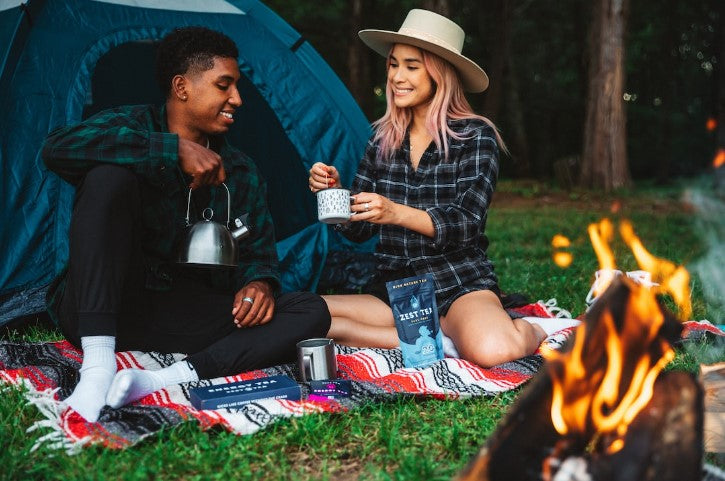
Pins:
x,y
712,378
663,442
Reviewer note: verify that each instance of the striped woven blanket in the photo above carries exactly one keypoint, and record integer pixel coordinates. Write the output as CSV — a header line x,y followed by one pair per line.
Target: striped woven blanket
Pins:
x,y
48,373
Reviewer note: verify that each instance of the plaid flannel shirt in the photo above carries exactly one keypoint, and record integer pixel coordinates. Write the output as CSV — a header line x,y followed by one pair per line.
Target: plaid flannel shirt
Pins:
x,y
455,193
137,137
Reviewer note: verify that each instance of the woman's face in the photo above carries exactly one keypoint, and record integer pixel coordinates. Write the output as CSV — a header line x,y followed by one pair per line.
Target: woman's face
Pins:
x,y
411,84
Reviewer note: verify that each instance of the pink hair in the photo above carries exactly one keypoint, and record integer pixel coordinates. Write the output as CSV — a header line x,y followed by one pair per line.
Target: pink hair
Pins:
x,y
448,103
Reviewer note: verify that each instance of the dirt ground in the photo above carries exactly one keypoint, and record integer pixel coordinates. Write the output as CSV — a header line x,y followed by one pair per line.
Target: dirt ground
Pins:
x,y
644,202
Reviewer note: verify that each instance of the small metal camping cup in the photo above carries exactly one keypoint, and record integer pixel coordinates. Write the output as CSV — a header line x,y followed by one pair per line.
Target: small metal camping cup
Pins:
x,y
316,359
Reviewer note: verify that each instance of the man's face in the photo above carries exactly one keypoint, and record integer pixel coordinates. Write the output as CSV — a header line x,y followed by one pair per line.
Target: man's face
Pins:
x,y
213,97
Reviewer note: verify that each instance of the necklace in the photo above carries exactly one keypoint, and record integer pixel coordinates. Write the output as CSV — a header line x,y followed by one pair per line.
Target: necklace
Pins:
x,y
418,145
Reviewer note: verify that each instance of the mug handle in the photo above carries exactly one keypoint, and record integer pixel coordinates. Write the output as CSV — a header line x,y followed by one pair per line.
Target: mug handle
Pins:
x,y
307,367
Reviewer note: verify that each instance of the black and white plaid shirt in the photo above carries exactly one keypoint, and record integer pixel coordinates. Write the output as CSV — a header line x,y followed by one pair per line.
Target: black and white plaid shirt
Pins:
x,y
456,194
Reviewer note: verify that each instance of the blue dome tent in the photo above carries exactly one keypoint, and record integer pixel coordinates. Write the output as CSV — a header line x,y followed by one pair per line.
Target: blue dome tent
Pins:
x,y
63,60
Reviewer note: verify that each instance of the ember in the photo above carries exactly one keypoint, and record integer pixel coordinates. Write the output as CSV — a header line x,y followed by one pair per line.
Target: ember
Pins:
x,y
719,159
562,259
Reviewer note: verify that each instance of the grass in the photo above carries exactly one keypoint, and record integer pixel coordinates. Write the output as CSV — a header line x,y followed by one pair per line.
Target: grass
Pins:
x,y
409,439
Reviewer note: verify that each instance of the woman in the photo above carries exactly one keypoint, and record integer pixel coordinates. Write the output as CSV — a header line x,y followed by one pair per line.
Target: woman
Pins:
x,y
424,186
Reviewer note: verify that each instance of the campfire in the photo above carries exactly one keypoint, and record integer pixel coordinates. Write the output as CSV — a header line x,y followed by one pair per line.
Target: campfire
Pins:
x,y
601,408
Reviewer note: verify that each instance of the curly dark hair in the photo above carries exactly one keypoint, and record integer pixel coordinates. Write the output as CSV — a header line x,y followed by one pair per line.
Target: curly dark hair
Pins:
x,y
190,49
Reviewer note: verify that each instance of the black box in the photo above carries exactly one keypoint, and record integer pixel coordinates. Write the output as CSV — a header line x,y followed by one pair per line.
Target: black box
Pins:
x,y
331,389
235,394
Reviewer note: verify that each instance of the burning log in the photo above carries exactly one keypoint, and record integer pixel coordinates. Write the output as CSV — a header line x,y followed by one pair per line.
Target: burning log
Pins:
x,y
601,410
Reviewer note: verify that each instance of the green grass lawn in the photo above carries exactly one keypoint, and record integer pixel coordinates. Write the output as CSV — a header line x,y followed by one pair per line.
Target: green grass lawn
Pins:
x,y
410,439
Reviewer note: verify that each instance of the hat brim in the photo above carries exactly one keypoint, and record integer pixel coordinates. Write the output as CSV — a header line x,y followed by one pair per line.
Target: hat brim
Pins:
x,y
473,78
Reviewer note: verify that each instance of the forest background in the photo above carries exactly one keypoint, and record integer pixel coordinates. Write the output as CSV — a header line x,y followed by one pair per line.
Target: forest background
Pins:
x,y
589,93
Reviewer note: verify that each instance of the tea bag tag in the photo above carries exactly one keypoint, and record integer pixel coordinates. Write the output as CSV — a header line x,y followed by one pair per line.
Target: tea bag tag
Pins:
x,y
241,227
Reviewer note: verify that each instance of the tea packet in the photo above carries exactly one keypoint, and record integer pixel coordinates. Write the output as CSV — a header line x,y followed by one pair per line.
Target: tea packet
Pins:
x,y
416,319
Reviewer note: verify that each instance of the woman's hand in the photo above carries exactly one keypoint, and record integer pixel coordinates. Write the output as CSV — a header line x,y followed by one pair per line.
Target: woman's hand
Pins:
x,y
377,209
374,208
323,176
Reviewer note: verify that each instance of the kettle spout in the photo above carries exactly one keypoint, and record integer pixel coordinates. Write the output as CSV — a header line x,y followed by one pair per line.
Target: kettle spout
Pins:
x,y
241,229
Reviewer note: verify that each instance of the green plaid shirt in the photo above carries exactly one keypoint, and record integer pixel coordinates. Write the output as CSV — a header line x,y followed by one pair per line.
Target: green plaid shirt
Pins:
x,y
137,137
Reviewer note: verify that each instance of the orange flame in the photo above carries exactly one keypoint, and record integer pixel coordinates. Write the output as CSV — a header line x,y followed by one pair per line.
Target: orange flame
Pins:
x,y
561,259
559,241
719,159
601,235
608,376
673,279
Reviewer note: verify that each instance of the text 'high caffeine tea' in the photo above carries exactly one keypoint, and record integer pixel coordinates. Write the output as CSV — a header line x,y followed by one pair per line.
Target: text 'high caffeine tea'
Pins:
x,y
415,311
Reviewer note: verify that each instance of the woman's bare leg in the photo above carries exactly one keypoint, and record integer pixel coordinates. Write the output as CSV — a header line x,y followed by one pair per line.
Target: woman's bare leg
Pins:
x,y
361,320
485,334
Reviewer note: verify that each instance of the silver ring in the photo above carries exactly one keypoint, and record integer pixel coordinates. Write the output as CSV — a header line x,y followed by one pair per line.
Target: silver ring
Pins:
x,y
248,299
367,206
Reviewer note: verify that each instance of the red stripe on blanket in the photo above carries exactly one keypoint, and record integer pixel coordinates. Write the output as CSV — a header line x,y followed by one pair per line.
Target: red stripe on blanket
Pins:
x,y
371,367
356,367
692,326
368,369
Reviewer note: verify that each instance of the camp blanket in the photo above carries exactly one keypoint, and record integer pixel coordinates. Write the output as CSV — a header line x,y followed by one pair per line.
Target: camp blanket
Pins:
x,y
49,371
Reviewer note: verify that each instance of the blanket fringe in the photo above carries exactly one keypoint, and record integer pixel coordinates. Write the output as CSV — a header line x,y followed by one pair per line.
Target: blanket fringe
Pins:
x,y
712,472
554,310
52,410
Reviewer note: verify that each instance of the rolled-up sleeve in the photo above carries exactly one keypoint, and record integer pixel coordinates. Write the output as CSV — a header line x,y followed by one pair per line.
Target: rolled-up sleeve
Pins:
x,y
463,220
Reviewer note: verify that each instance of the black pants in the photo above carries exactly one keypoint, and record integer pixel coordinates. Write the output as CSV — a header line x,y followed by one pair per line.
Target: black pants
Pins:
x,y
105,293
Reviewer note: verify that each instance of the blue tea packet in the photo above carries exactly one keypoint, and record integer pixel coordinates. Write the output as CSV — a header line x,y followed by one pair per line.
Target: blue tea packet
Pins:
x,y
415,311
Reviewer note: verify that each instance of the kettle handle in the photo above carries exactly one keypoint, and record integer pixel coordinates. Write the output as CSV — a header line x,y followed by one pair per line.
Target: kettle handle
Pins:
x,y
229,206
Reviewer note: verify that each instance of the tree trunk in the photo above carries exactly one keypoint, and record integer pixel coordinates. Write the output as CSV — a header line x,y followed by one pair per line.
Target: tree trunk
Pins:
x,y
500,36
720,78
604,158
518,141
358,60
668,110
718,161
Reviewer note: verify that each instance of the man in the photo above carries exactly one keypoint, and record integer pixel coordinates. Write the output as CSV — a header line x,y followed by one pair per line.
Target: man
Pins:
x,y
132,168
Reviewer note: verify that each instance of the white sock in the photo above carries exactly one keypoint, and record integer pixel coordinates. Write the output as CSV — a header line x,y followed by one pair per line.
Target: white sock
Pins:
x,y
550,325
97,370
132,384
449,349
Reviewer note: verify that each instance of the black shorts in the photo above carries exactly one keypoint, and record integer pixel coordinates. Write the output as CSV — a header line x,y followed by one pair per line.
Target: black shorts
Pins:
x,y
376,287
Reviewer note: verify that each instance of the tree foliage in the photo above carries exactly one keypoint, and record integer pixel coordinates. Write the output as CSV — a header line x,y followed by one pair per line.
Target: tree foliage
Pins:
x,y
536,54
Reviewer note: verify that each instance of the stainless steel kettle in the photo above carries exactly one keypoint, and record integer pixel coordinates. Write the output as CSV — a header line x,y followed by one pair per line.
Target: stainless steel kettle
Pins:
x,y
211,244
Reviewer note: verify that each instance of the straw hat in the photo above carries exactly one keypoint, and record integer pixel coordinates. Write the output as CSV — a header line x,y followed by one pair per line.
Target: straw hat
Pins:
x,y
434,33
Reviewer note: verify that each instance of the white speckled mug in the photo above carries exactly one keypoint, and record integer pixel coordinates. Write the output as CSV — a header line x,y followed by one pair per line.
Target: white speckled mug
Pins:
x,y
333,205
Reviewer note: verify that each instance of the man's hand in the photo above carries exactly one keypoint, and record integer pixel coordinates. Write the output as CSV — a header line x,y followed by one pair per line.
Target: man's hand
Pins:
x,y
203,165
253,304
